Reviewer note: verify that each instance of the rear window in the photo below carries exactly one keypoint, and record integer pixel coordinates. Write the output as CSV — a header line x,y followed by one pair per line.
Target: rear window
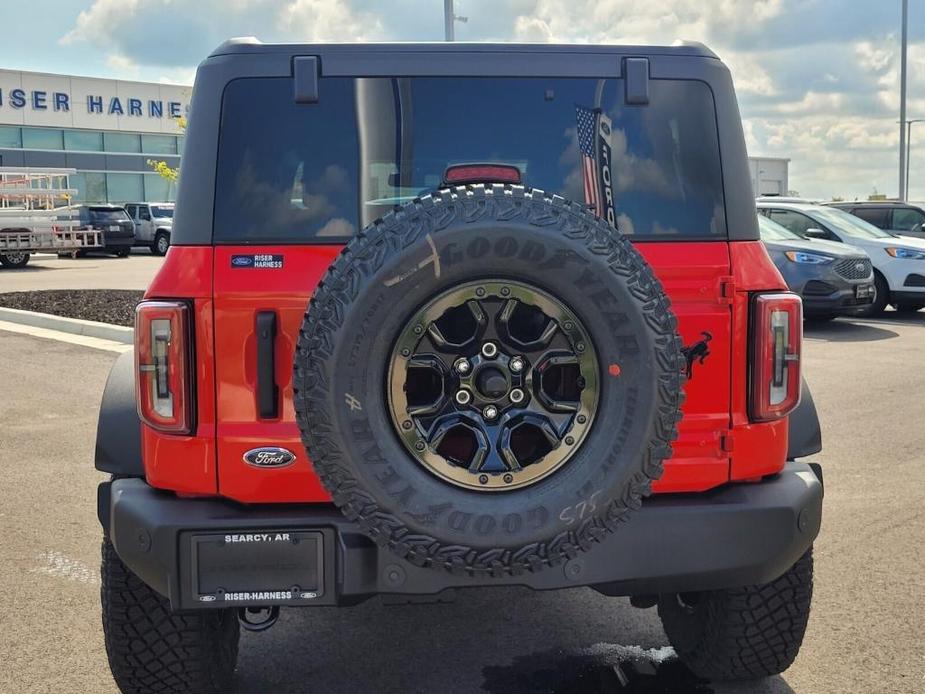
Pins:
x,y
291,173
107,214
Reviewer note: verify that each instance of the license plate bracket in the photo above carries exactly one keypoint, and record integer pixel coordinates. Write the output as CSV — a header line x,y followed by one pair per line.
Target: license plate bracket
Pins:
x,y
257,567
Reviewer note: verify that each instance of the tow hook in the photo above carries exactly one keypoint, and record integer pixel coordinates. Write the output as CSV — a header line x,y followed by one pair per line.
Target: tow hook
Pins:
x,y
258,618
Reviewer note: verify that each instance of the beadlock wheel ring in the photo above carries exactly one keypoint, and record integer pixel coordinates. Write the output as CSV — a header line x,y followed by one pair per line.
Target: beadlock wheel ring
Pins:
x,y
439,410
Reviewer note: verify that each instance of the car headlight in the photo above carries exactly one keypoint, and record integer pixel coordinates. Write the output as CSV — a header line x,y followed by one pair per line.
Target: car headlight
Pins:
x,y
906,253
808,258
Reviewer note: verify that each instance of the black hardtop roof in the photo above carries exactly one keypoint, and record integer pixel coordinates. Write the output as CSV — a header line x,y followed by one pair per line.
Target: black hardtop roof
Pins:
x,y
252,45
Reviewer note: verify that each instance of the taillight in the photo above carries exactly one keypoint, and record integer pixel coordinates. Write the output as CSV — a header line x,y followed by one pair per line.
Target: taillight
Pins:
x,y
162,361
777,341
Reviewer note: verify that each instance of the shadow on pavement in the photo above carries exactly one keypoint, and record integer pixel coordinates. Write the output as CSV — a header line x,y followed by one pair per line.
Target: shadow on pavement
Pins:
x,y
500,641
845,331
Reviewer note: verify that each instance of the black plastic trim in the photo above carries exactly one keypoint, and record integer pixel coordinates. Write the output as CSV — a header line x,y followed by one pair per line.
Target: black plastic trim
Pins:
x,y
305,70
637,80
741,534
804,432
267,389
118,429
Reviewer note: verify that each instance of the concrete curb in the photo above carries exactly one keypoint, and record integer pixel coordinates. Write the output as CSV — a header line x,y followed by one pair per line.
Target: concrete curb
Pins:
x,y
75,326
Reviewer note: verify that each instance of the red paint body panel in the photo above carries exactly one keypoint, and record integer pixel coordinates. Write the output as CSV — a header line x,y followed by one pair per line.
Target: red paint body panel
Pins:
x,y
187,463
691,274
708,282
239,294
757,449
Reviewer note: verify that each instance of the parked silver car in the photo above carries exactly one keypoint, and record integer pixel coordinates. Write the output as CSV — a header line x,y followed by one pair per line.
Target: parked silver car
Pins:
x,y
153,224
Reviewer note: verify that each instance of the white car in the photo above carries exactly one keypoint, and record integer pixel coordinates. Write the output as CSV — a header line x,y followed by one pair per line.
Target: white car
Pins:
x,y
899,261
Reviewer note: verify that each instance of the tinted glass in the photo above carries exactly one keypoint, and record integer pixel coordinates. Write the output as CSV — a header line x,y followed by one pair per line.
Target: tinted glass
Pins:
x,y
848,223
124,186
158,188
83,140
121,142
108,214
158,144
878,216
306,170
772,231
42,138
163,212
907,219
10,136
794,221
91,187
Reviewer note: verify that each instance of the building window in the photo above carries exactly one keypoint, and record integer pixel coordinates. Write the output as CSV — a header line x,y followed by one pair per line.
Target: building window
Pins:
x,y
91,187
83,140
159,144
158,189
121,142
124,187
10,136
42,138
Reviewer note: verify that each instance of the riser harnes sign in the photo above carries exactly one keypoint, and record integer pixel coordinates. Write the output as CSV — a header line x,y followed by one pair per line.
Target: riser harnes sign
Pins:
x,y
44,100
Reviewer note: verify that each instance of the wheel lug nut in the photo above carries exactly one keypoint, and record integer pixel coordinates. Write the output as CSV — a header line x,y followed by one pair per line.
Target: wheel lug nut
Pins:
x,y
406,425
508,478
420,446
516,395
462,366
463,396
483,479
517,364
490,350
490,412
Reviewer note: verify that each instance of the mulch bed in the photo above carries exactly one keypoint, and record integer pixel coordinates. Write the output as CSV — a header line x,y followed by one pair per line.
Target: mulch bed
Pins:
x,y
116,306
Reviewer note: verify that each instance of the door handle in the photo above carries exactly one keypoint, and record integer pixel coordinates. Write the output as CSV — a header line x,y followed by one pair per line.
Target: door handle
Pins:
x,y
267,389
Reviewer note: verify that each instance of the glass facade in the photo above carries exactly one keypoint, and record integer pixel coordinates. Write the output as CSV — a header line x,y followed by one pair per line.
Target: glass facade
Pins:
x,y
111,166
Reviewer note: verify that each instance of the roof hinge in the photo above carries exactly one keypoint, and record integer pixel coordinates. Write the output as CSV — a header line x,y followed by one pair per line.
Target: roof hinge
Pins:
x,y
636,80
305,71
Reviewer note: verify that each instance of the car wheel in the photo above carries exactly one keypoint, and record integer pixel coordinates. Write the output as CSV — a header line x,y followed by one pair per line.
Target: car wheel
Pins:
x,y
153,649
14,261
881,297
161,244
123,252
741,633
463,400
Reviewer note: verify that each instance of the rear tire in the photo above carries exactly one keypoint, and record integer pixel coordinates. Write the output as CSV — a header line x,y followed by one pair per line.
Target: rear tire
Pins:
x,y
14,261
123,252
741,633
152,649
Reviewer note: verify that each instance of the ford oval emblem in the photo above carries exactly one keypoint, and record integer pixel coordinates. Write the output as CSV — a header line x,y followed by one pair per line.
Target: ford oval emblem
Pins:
x,y
269,456
859,267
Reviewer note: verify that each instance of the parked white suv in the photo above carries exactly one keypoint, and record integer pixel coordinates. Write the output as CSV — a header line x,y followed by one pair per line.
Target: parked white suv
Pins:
x,y
899,261
153,224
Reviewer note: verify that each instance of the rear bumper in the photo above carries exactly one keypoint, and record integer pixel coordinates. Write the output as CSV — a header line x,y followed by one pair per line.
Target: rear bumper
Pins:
x,y
843,301
738,535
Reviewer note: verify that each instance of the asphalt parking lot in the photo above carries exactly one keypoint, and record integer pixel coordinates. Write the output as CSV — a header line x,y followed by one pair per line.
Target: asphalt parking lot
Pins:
x,y
46,271
864,633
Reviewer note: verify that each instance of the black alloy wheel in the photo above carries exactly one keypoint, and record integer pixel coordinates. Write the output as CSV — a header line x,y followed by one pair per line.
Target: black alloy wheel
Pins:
x,y
493,385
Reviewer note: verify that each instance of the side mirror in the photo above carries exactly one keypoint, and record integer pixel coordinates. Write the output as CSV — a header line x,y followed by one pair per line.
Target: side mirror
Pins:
x,y
815,234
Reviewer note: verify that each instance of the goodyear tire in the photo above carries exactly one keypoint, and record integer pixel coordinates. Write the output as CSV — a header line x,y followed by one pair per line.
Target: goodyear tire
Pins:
x,y
368,326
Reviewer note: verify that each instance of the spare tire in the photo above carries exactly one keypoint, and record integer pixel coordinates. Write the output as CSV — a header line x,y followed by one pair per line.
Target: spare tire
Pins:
x,y
488,379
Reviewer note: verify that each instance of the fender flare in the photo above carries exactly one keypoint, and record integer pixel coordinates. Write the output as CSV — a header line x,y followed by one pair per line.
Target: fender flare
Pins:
x,y
805,435
118,430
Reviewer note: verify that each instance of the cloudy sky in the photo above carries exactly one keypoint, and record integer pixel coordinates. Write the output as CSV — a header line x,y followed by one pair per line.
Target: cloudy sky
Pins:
x,y
817,80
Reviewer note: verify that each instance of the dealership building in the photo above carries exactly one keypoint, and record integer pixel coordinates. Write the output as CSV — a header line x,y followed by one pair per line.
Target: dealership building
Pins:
x,y
107,130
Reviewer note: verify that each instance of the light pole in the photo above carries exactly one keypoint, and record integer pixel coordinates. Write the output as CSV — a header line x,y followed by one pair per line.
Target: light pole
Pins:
x,y
909,151
902,103
449,20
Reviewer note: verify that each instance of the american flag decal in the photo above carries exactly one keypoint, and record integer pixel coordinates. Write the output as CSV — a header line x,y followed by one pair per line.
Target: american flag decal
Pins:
x,y
594,151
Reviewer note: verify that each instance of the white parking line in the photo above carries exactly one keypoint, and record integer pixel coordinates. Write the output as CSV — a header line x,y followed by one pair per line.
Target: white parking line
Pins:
x,y
82,340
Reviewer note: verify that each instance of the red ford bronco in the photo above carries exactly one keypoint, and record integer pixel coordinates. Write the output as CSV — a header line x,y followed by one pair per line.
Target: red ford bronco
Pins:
x,y
437,316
